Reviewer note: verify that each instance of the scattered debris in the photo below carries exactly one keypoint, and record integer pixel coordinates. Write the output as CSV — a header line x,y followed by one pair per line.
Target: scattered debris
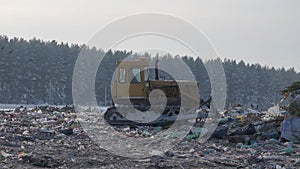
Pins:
x,y
49,137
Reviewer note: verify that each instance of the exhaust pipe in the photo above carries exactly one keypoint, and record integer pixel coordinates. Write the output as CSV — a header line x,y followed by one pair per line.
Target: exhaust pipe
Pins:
x,y
156,69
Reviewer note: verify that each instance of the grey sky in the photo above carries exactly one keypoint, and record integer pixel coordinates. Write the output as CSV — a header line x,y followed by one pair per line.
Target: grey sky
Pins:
x,y
267,32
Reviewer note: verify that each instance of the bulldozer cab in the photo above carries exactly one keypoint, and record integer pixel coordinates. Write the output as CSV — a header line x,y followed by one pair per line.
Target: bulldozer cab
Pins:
x,y
132,77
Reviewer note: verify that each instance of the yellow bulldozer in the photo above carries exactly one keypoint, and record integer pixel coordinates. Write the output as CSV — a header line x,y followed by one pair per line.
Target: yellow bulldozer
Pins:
x,y
132,88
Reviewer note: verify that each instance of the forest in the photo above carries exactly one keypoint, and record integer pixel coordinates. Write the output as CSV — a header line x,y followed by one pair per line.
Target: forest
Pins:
x,y
38,72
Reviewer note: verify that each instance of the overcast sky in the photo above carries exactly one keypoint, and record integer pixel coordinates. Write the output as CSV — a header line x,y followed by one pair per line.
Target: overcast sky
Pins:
x,y
265,32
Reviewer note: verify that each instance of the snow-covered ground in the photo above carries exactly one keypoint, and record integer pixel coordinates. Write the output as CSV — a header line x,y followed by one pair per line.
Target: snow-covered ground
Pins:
x,y
29,106
13,106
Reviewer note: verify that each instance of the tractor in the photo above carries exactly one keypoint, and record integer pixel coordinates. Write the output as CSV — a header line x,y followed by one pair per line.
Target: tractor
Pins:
x,y
145,100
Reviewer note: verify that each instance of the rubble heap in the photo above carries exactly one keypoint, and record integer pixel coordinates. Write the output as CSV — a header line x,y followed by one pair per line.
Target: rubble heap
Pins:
x,y
49,137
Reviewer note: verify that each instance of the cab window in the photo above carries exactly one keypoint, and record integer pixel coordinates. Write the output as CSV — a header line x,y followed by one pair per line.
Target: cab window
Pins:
x,y
146,74
122,75
135,75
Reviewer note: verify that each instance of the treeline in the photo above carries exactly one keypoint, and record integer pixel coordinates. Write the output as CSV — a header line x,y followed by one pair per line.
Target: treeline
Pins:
x,y
38,72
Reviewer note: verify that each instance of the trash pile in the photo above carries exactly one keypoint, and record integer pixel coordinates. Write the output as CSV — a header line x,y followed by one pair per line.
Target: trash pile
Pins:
x,y
49,137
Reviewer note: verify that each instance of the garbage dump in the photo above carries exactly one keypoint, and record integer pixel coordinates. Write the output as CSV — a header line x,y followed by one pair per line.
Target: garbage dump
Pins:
x,y
52,137
49,137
